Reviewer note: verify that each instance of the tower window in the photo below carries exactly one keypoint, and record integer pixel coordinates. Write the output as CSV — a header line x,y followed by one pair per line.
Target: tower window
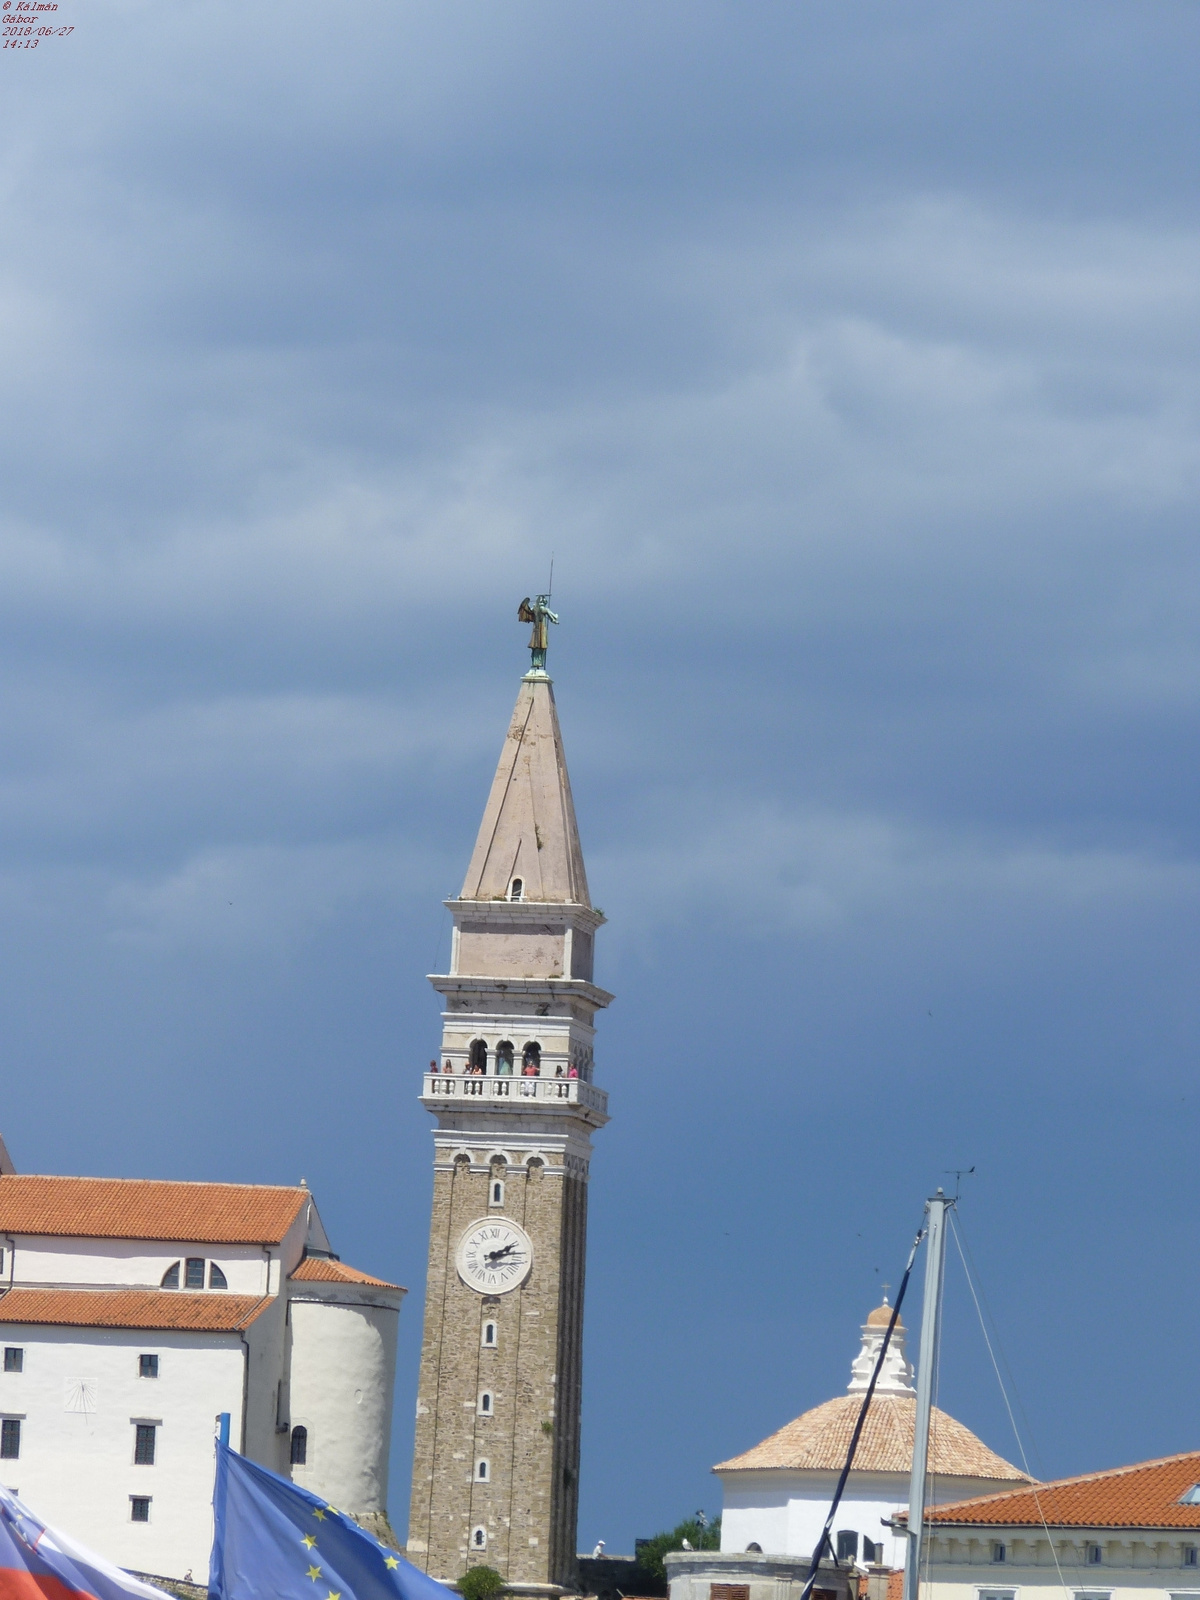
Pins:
x,y
147,1366
477,1059
531,1060
10,1439
139,1508
216,1278
490,1337
478,1538
847,1545
504,1059
170,1278
999,1550
194,1278
299,1455
144,1440
497,1192
485,1403
483,1472
516,889
14,1360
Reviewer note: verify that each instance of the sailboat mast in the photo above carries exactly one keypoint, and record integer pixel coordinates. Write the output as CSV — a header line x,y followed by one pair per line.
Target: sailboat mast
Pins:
x,y
931,1327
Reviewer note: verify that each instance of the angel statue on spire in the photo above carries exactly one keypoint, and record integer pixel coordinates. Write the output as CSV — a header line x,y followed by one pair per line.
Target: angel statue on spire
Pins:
x,y
539,613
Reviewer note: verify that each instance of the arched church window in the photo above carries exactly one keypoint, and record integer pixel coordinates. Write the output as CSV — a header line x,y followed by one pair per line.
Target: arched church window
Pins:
x,y
497,1192
170,1278
483,1472
477,1061
516,889
299,1446
216,1278
847,1545
478,1538
504,1058
485,1403
490,1336
531,1060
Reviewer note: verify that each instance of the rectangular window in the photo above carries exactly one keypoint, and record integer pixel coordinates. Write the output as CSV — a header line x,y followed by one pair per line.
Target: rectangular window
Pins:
x,y
195,1272
729,1591
1189,1555
997,1594
10,1439
14,1360
147,1366
1095,1555
139,1508
143,1444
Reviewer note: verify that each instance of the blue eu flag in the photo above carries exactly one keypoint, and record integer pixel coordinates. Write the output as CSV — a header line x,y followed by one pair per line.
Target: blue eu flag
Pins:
x,y
274,1541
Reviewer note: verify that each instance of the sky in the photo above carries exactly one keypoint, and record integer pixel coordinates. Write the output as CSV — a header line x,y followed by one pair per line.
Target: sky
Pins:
x,y
846,360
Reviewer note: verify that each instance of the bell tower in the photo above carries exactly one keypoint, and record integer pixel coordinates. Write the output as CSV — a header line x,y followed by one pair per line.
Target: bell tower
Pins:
x,y
496,1462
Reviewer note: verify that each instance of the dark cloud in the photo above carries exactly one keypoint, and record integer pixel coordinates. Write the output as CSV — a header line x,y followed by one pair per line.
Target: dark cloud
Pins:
x,y
846,360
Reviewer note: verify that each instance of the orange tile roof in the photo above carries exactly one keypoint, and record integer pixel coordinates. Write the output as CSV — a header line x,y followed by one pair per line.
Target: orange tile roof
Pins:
x,y
895,1588
144,1208
132,1308
319,1269
1145,1495
818,1442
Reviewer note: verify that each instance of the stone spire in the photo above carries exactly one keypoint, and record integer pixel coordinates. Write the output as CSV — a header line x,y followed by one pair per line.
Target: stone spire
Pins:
x,y
897,1374
528,844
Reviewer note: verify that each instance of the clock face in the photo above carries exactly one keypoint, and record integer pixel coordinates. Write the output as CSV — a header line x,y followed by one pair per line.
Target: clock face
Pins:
x,y
494,1256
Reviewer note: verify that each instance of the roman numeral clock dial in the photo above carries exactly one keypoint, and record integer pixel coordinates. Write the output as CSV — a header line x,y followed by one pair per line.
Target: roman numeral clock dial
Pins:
x,y
494,1256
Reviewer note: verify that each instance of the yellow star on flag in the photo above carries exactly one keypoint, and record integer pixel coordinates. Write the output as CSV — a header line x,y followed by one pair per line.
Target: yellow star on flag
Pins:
x,y
319,1514
391,1562
308,1541
335,1594
314,1573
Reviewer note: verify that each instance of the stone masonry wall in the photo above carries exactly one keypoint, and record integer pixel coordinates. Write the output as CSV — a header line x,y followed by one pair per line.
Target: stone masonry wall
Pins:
x,y
531,1438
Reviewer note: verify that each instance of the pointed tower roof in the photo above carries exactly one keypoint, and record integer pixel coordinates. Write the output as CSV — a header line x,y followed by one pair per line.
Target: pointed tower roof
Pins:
x,y
529,829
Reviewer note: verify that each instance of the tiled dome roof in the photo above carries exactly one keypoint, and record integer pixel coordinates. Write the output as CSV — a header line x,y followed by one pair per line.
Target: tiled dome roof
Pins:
x,y
881,1316
818,1441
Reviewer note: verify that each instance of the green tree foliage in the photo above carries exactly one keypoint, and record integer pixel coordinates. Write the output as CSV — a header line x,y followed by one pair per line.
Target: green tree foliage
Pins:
x,y
480,1583
650,1552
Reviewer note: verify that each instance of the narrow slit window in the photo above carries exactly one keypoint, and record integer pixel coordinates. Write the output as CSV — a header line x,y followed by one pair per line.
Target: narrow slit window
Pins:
x,y
999,1550
299,1446
216,1278
1095,1555
483,1472
485,1403
170,1278
1189,1555
490,1335
497,1192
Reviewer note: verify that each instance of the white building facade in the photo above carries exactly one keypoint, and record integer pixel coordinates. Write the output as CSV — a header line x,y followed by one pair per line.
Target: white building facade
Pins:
x,y
1128,1534
133,1313
777,1495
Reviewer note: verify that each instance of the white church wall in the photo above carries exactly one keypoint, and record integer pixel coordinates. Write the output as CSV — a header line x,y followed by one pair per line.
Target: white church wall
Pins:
x,y
132,1262
342,1379
79,1397
263,1438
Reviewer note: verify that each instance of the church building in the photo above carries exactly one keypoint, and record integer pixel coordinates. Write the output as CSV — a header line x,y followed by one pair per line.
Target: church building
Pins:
x,y
496,1462
134,1312
777,1495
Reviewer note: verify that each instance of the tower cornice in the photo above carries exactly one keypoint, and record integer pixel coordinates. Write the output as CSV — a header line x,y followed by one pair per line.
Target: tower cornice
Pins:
x,y
520,913
542,989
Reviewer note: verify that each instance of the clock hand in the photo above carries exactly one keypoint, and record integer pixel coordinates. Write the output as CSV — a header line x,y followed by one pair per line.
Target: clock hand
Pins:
x,y
495,1256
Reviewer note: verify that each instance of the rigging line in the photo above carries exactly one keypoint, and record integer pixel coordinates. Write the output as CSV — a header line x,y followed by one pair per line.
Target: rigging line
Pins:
x,y
964,1248
819,1548
1004,1392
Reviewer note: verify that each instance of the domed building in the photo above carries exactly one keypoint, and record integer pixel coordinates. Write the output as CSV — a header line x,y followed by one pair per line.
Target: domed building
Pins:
x,y
777,1495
